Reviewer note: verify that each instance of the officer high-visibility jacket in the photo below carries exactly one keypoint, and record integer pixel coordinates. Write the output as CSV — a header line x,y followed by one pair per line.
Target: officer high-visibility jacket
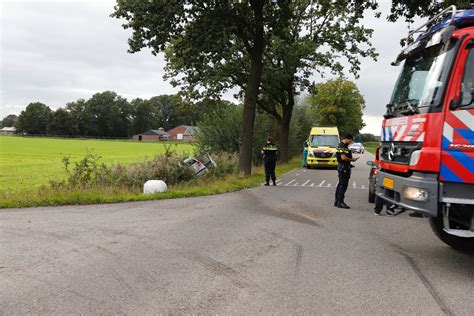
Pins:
x,y
270,152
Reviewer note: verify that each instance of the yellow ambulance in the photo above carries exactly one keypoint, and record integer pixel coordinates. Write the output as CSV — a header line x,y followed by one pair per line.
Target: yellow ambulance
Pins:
x,y
322,144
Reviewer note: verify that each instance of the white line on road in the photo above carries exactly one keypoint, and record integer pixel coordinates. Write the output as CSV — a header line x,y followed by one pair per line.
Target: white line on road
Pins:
x,y
312,184
329,185
363,187
295,184
321,184
305,183
291,182
354,184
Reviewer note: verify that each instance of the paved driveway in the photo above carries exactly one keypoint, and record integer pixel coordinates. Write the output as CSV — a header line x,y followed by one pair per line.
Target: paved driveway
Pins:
x,y
282,249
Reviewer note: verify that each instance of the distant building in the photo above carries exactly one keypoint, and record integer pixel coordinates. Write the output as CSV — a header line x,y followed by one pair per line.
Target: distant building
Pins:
x,y
152,135
7,130
183,132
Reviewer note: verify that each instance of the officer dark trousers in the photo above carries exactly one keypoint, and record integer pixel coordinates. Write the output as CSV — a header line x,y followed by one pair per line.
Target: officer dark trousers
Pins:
x,y
270,170
344,176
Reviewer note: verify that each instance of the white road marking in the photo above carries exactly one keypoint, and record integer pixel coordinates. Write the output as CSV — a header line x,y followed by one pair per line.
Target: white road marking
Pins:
x,y
291,182
295,184
363,187
279,180
354,184
321,184
305,183
297,174
329,185
312,184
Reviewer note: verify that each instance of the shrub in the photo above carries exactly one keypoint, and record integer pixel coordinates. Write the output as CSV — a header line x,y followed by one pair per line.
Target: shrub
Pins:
x,y
89,173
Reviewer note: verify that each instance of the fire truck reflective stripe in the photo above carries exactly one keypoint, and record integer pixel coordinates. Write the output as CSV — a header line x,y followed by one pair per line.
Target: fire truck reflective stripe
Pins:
x,y
421,138
419,120
448,175
400,132
464,159
456,162
466,136
465,117
454,121
448,132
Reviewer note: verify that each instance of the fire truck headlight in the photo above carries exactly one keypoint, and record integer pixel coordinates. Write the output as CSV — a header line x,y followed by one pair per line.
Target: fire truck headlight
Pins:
x,y
415,157
415,194
310,153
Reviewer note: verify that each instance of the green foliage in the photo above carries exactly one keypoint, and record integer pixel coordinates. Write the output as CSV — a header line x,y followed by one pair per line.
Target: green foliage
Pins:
x,y
89,173
338,103
61,123
34,119
109,115
9,120
219,131
408,9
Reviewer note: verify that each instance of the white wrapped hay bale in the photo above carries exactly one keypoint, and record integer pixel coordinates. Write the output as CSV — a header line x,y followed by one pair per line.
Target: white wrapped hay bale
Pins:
x,y
154,186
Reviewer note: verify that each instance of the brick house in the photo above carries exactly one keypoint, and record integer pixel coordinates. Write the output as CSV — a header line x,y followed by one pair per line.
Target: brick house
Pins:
x,y
183,132
152,135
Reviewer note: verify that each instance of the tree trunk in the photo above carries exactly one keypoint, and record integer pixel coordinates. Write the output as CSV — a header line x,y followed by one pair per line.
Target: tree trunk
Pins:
x,y
248,120
251,93
285,126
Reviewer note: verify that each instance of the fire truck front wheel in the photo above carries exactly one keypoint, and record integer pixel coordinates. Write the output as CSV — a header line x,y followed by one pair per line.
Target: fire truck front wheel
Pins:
x,y
458,243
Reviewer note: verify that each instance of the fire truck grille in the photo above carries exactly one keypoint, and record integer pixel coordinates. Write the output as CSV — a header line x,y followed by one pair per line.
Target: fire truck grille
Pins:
x,y
399,152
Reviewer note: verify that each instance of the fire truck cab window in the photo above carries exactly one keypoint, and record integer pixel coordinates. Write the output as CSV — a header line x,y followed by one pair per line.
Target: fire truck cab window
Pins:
x,y
421,83
467,84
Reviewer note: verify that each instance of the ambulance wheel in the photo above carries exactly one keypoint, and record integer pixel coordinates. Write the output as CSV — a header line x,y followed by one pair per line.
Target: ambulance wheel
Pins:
x,y
458,243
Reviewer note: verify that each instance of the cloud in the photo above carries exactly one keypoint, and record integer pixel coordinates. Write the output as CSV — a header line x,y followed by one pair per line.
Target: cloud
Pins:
x,y
59,51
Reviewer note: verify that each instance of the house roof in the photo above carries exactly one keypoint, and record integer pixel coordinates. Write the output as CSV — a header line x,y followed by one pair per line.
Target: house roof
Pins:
x,y
188,130
155,132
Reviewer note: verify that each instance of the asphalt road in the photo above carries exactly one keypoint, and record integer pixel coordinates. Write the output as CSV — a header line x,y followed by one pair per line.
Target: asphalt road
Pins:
x,y
282,250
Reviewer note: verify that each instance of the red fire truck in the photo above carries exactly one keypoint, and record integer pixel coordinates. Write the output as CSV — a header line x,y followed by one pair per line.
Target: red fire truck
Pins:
x,y
426,156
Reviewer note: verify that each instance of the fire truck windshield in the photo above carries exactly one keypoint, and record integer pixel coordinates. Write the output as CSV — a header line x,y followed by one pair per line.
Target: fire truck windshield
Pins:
x,y
421,83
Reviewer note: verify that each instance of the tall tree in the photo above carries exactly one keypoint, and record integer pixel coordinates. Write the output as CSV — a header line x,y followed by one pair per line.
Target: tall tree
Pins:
x,y
310,37
34,119
145,116
61,123
110,115
9,120
200,37
338,103
81,119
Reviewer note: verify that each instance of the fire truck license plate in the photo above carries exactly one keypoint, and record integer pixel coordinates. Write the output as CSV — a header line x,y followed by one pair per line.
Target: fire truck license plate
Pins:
x,y
388,183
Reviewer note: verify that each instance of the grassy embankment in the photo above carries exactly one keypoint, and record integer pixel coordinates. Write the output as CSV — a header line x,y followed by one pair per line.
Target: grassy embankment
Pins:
x,y
30,162
371,146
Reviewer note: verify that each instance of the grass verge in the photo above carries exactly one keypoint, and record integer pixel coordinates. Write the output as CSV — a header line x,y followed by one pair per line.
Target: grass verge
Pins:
x,y
199,187
371,146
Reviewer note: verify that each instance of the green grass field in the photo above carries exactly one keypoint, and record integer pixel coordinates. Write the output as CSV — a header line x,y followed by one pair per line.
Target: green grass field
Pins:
x,y
28,162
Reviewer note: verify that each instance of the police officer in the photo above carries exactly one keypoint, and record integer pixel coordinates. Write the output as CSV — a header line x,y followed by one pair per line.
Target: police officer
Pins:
x,y
344,159
269,153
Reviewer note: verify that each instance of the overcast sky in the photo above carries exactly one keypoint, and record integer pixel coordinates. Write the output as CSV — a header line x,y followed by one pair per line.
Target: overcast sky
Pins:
x,y
58,51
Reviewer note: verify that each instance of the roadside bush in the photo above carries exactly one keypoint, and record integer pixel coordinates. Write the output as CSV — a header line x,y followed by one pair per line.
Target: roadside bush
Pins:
x,y
89,173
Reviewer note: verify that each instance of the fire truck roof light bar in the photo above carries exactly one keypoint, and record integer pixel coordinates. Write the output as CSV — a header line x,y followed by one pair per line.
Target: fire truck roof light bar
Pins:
x,y
442,13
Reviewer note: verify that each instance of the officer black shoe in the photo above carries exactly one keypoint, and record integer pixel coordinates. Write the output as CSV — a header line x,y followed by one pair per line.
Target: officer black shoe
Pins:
x,y
267,184
335,203
274,183
343,205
